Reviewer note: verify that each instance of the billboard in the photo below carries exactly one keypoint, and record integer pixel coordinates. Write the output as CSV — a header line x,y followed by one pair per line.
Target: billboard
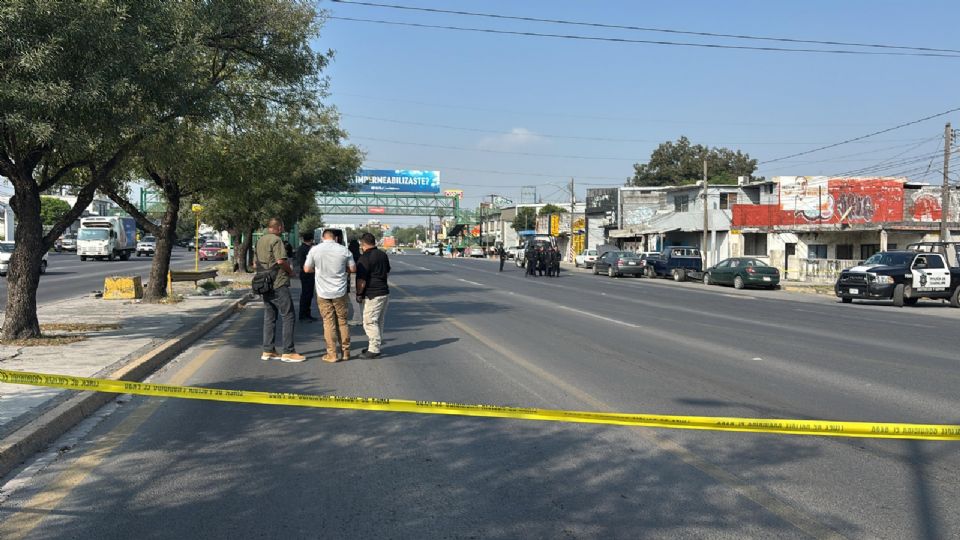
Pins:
x,y
397,181
458,193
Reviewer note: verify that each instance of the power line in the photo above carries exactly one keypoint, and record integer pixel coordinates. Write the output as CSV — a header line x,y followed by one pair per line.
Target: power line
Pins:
x,y
577,137
639,41
645,29
834,145
487,150
553,114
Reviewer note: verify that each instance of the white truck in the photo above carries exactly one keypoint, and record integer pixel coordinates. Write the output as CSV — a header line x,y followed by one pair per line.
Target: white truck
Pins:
x,y
107,237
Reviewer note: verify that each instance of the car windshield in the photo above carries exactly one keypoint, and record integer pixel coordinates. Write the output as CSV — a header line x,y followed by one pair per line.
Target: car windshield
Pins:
x,y
626,255
889,259
148,239
209,245
69,237
684,252
591,252
6,247
94,234
753,262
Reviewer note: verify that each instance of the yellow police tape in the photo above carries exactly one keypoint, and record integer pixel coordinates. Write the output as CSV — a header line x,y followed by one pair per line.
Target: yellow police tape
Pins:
x,y
757,425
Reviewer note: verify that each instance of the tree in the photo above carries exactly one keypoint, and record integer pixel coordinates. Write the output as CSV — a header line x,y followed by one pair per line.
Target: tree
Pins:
x,y
312,221
551,209
409,235
273,165
82,84
675,164
375,230
525,220
52,210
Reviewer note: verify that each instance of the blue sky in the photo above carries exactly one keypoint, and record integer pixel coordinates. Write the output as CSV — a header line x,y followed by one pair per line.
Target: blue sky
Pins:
x,y
512,95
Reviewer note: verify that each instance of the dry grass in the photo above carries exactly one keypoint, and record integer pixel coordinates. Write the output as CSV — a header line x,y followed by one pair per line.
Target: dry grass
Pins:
x,y
78,327
46,341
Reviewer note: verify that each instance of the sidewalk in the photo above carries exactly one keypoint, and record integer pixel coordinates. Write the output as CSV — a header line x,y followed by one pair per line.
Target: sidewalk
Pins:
x,y
135,333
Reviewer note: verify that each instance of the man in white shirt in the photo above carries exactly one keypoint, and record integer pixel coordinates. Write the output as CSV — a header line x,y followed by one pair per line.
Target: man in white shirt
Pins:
x,y
332,265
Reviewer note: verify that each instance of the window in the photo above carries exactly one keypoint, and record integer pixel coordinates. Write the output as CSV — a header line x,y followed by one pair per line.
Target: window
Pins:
x,y
727,200
934,262
845,251
867,250
817,251
755,244
681,203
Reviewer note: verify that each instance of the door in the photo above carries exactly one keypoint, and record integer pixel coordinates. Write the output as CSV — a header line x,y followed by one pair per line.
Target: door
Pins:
x,y
790,250
930,273
728,271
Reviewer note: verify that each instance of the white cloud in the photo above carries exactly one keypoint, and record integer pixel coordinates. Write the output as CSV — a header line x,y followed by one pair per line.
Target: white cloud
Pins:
x,y
516,138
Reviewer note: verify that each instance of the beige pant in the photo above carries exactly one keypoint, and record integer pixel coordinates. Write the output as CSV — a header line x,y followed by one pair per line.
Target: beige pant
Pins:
x,y
374,314
334,314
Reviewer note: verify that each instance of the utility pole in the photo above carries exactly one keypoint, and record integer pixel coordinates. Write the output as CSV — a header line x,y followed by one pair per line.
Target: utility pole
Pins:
x,y
945,195
573,203
706,216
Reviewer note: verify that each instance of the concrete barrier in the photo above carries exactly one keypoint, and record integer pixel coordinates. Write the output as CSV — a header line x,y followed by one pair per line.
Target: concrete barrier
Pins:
x,y
122,288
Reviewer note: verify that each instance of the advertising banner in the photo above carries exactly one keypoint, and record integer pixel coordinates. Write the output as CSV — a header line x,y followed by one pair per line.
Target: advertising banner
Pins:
x,y
397,181
458,193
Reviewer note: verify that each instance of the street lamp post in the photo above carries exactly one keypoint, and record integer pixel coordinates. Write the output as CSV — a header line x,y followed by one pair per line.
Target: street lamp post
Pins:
x,y
196,209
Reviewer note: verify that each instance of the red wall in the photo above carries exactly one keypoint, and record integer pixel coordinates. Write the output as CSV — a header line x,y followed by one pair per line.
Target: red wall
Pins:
x,y
853,201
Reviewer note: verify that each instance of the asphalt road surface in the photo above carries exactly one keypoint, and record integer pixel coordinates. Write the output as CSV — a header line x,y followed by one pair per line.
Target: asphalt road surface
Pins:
x,y
67,277
459,331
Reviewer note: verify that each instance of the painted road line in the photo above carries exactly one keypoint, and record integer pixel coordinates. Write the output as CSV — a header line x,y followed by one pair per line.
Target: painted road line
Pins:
x,y
35,510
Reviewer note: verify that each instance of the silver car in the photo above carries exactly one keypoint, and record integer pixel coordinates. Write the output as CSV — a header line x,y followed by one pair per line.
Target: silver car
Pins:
x,y
147,246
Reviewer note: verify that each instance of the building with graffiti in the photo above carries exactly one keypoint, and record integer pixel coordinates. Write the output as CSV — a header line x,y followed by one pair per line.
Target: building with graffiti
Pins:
x,y
814,226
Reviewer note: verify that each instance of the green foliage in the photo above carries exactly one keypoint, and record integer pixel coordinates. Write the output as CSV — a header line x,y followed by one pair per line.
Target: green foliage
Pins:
x,y
674,164
525,220
552,209
375,230
409,235
52,210
313,220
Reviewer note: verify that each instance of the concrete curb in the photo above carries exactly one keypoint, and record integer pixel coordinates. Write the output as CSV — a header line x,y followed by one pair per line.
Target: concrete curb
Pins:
x,y
43,430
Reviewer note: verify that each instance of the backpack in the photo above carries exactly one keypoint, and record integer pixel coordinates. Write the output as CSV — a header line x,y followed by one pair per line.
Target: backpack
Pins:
x,y
264,280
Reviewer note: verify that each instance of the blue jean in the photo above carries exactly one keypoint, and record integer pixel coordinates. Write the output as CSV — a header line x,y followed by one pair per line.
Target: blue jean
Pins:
x,y
278,302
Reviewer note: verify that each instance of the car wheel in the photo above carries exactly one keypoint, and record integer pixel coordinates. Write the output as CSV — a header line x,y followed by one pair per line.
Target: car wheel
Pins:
x,y
43,267
679,275
648,271
596,271
738,282
955,299
706,279
610,272
846,300
898,295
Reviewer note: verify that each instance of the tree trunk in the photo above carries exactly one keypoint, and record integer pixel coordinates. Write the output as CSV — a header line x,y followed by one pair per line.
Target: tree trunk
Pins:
x,y
23,274
157,286
244,252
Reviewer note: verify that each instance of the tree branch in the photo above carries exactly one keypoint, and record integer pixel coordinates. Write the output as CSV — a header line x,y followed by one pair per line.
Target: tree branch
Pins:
x,y
51,181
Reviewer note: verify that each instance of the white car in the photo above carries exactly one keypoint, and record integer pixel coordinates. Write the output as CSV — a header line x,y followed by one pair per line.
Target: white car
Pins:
x,y
6,251
585,259
475,251
147,246
431,250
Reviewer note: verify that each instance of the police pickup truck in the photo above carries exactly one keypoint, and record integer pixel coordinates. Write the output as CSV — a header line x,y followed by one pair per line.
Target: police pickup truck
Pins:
x,y
902,276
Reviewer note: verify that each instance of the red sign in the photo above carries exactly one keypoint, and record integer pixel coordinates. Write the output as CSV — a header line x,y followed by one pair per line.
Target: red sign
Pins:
x,y
376,210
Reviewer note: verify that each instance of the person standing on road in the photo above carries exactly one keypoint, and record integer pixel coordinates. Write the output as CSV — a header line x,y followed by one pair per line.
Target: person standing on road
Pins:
x,y
277,304
541,261
531,257
373,291
557,257
307,284
502,253
331,263
356,309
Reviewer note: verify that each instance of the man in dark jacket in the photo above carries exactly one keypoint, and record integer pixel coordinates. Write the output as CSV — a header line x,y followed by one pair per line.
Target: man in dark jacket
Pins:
x,y
530,255
307,282
373,267
502,253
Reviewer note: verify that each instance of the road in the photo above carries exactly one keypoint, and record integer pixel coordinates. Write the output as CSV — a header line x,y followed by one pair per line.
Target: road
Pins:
x,y
459,331
67,277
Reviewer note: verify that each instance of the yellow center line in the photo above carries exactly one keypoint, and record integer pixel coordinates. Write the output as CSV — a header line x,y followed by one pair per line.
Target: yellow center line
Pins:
x,y
27,517
785,511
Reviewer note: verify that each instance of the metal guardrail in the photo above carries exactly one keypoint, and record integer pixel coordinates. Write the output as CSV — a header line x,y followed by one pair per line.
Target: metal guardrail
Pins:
x,y
188,275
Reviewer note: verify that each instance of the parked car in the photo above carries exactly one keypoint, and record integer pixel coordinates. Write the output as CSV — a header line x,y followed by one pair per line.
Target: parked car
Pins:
x,y
742,272
902,276
585,259
6,251
213,251
678,262
618,263
431,250
68,242
147,246
475,251
514,252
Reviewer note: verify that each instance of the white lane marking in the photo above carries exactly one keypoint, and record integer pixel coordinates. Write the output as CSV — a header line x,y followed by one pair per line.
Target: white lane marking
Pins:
x,y
472,282
757,359
738,296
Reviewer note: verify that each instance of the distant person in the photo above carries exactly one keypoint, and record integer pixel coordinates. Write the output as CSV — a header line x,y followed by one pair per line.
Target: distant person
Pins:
x,y
557,258
356,309
502,253
270,254
530,256
541,261
331,263
307,283
373,291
